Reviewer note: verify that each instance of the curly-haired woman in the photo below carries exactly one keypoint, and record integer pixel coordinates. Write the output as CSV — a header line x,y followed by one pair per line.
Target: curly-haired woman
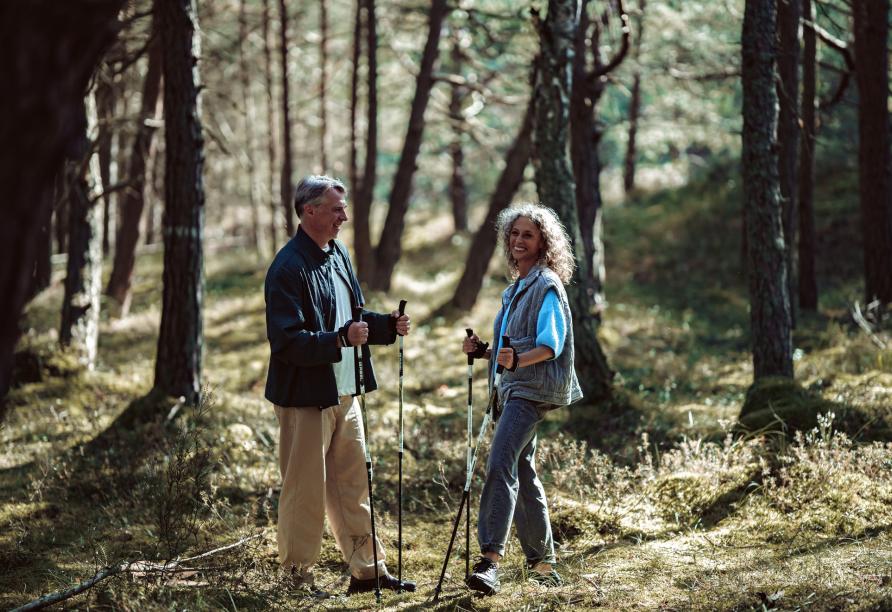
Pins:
x,y
539,376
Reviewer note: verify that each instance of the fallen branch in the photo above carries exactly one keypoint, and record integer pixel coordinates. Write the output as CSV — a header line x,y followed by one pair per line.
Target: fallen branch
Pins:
x,y
140,568
863,324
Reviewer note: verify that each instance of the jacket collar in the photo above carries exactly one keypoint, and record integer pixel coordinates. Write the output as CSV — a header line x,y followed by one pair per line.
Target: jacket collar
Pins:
x,y
308,247
528,280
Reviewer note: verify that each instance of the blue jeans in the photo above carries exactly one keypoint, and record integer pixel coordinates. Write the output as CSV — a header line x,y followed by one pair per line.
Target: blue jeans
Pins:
x,y
512,489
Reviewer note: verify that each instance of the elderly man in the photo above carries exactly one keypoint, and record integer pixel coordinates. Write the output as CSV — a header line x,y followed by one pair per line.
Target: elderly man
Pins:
x,y
310,291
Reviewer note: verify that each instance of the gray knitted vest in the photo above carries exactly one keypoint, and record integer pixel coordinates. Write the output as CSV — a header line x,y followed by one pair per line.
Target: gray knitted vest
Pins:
x,y
554,381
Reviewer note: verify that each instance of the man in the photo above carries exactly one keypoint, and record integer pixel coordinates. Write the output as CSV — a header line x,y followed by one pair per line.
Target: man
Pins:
x,y
310,291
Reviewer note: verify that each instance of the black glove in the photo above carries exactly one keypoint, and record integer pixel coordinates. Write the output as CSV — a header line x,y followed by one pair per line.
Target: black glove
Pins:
x,y
515,361
480,351
342,334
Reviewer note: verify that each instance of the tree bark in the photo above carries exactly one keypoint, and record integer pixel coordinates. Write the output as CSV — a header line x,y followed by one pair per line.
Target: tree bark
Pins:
x,y
808,283
106,101
249,119
131,205
875,182
365,192
458,191
274,209
48,50
389,247
286,184
485,240
43,267
555,184
634,110
323,84
769,301
179,358
356,49
79,330
788,17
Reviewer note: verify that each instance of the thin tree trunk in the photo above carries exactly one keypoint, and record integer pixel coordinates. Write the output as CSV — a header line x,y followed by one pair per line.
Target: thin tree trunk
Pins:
x,y
249,117
634,109
875,182
769,301
808,283
79,330
50,49
156,189
274,208
179,358
352,171
43,268
362,237
484,243
323,84
788,17
556,187
389,247
106,101
131,204
458,191
286,184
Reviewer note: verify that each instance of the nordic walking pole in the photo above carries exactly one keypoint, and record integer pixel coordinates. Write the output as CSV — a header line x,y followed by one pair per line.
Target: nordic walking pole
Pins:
x,y
399,520
470,333
506,343
357,359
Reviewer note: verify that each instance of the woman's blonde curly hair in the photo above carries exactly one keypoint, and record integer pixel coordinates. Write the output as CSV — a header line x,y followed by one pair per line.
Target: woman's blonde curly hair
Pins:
x,y
557,254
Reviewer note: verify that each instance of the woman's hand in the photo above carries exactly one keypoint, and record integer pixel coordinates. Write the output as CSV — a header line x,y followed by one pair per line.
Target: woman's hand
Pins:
x,y
469,344
506,358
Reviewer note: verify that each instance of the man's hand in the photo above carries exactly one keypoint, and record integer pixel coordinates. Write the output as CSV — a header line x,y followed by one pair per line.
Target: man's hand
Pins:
x,y
358,333
403,324
508,358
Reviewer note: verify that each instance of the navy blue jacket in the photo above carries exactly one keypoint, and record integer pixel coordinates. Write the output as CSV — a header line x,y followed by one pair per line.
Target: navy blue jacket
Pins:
x,y
300,308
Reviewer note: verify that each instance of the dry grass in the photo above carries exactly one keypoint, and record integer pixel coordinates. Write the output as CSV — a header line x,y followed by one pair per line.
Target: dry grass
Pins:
x,y
663,509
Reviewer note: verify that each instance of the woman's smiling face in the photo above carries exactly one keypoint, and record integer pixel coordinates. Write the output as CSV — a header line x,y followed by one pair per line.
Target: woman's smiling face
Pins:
x,y
525,243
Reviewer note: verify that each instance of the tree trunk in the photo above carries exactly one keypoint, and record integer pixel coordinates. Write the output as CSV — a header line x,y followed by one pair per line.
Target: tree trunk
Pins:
x,y
43,267
788,16
634,109
875,183
352,169
389,247
131,204
323,85
555,184
156,189
250,118
79,330
485,240
50,49
178,363
458,191
365,194
274,209
808,283
769,301
585,136
286,184
106,101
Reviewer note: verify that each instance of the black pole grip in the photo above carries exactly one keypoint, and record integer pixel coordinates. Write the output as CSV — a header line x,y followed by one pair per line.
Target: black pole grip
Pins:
x,y
402,308
506,343
470,333
357,314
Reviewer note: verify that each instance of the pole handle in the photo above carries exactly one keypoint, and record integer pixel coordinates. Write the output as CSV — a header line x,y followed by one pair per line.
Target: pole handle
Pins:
x,y
357,314
470,333
402,308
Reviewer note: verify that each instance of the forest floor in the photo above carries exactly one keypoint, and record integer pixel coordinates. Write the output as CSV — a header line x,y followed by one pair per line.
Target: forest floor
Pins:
x,y
656,504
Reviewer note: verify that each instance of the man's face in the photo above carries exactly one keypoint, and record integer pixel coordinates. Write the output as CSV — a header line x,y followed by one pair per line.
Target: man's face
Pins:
x,y
327,218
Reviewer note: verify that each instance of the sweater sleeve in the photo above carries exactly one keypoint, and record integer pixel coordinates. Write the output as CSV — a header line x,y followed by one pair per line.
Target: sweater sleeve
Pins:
x,y
551,326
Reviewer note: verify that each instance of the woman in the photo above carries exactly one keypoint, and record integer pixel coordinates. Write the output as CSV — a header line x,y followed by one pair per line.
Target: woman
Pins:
x,y
538,376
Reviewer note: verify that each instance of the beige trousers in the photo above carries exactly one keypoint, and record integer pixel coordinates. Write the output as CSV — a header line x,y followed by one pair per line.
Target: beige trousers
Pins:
x,y
322,460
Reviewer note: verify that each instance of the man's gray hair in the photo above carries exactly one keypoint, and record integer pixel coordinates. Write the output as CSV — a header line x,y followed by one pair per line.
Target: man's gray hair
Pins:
x,y
311,189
